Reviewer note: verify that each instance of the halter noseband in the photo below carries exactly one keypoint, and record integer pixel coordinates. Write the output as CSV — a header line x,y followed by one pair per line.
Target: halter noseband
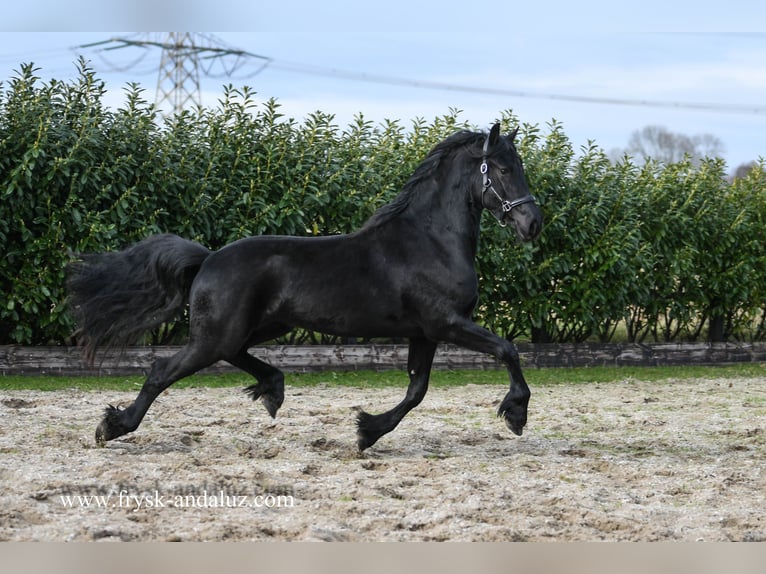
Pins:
x,y
505,205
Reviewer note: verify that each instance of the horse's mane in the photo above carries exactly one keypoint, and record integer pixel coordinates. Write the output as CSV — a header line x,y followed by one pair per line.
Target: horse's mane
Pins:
x,y
424,172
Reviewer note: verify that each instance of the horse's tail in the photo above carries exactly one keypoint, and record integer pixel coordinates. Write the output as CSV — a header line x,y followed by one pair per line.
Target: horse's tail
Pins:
x,y
116,297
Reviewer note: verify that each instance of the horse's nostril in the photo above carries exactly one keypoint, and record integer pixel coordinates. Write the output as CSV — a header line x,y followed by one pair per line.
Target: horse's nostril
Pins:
x,y
534,229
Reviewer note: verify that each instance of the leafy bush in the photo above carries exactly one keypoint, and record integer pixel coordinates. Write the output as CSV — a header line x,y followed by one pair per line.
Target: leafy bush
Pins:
x,y
668,251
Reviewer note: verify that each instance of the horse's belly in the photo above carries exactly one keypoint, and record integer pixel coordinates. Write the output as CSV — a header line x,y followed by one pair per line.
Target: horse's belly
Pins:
x,y
357,319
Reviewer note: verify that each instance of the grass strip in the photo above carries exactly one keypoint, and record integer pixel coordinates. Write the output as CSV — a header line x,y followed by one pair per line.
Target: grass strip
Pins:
x,y
380,379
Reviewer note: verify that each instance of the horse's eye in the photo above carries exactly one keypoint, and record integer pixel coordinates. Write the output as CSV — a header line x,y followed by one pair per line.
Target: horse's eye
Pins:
x,y
504,170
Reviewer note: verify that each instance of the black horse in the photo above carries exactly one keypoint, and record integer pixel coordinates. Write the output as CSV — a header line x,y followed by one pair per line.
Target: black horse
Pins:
x,y
408,272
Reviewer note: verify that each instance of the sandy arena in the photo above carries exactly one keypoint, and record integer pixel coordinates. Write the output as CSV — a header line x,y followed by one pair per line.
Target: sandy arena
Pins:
x,y
638,461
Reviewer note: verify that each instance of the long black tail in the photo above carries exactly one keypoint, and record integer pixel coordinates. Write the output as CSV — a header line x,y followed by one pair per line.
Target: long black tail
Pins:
x,y
116,297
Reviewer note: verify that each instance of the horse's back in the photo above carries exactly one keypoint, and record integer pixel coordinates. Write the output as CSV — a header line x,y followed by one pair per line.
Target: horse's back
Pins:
x,y
334,284
260,254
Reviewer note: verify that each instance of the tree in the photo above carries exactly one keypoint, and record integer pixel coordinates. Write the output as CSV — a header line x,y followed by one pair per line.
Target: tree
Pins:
x,y
743,170
664,146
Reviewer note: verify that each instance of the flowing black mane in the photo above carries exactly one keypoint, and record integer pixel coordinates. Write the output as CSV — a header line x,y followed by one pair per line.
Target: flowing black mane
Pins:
x,y
423,173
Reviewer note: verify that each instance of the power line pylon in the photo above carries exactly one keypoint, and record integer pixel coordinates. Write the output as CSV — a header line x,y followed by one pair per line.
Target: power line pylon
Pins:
x,y
178,79
185,56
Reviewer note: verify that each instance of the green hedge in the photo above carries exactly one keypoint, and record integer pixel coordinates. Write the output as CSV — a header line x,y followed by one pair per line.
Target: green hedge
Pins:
x,y
657,252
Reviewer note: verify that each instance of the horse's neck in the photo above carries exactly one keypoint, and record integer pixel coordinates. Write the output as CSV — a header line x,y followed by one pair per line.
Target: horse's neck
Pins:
x,y
445,213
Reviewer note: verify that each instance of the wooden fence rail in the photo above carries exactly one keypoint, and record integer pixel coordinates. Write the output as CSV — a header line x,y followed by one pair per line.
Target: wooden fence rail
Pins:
x,y
16,360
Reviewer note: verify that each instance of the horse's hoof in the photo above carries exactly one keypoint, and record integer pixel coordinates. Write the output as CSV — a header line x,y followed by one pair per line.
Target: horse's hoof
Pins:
x,y
272,404
515,421
364,439
363,442
102,432
110,426
271,399
515,428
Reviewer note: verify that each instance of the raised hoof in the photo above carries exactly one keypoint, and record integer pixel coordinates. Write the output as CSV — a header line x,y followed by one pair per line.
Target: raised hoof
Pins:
x,y
364,437
514,428
270,399
515,419
272,404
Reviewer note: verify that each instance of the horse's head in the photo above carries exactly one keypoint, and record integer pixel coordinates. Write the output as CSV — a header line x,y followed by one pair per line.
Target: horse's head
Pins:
x,y
504,190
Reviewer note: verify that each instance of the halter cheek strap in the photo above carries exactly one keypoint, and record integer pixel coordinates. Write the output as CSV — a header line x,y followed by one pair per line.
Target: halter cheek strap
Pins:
x,y
505,205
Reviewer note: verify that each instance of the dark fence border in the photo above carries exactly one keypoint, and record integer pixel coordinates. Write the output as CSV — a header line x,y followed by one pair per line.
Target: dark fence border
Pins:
x,y
67,361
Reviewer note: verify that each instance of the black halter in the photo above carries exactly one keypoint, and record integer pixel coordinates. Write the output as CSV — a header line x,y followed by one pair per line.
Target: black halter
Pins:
x,y
505,205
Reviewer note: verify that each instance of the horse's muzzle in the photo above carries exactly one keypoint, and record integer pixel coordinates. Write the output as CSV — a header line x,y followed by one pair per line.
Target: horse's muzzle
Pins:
x,y
527,220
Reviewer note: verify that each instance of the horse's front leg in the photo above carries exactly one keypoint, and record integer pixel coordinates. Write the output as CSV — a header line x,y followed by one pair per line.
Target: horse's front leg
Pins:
x,y
469,335
419,360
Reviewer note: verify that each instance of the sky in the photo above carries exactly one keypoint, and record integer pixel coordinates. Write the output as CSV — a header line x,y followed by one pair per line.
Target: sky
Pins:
x,y
602,69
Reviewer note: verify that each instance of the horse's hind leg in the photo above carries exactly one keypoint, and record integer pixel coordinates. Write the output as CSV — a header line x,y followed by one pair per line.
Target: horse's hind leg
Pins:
x,y
371,427
164,372
271,381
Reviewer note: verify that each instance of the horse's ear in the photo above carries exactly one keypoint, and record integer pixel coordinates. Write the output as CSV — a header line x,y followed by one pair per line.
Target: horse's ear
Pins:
x,y
494,134
513,134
